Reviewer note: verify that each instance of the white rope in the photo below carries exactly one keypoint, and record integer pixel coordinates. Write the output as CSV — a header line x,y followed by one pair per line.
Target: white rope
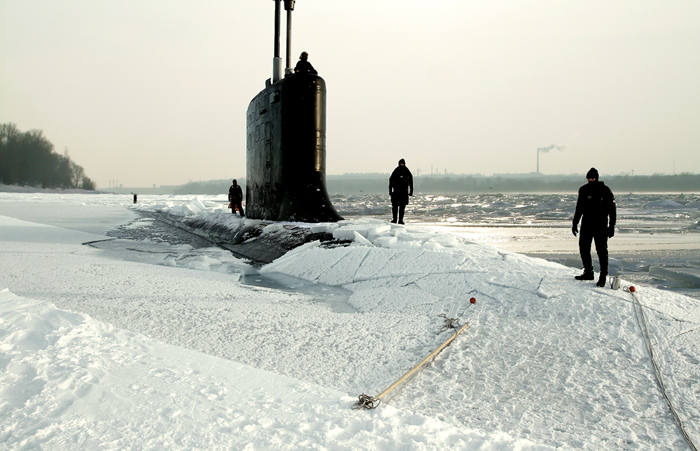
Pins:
x,y
642,321
368,402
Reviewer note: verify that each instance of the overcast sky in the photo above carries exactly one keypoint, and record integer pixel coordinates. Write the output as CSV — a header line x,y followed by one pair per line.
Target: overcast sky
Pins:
x,y
155,91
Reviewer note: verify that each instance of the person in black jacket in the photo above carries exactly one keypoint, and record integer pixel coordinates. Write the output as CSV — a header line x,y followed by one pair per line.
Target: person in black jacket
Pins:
x,y
304,66
235,196
400,187
595,204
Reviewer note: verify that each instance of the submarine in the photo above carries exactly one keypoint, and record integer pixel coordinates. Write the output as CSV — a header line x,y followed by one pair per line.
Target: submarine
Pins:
x,y
286,143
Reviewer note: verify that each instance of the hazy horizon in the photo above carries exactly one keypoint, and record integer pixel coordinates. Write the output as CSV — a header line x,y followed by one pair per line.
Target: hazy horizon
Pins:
x,y
369,182
155,93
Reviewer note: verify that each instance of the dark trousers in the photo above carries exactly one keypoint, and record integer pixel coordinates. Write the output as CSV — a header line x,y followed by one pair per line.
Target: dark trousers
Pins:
x,y
237,204
400,209
601,247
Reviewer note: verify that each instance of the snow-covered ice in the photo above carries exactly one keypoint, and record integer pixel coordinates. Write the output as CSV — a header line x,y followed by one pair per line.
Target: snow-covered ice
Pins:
x,y
172,350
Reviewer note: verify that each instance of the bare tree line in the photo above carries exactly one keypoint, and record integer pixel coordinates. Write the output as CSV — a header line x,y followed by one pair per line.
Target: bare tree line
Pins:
x,y
28,158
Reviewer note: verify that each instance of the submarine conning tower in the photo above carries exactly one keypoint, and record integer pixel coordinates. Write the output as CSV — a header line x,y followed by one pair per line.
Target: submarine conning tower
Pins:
x,y
286,144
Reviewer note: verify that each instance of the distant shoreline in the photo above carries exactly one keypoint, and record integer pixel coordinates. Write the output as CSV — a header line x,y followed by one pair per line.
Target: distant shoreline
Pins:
x,y
360,184
374,184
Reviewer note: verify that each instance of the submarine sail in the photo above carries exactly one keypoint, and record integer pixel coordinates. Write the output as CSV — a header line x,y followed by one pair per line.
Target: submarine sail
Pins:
x,y
286,146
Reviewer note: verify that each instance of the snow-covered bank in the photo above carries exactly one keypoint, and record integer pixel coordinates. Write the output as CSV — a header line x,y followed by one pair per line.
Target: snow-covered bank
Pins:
x,y
70,382
547,360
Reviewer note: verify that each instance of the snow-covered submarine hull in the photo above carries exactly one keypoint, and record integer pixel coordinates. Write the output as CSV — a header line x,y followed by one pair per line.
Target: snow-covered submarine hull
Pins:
x,y
286,152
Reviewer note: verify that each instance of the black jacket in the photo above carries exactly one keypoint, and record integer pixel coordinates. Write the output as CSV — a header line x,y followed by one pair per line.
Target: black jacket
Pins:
x,y
235,193
596,204
304,67
400,185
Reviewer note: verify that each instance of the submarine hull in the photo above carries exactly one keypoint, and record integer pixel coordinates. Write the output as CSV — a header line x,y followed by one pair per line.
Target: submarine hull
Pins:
x,y
286,152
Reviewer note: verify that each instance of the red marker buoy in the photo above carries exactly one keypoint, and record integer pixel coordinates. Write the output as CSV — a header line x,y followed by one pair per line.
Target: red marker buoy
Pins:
x,y
472,300
632,289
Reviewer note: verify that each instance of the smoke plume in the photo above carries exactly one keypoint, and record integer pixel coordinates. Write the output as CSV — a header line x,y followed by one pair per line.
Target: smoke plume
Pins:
x,y
548,148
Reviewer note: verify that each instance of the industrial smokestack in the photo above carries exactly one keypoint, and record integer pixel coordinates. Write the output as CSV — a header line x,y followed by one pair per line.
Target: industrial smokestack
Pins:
x,y
545,150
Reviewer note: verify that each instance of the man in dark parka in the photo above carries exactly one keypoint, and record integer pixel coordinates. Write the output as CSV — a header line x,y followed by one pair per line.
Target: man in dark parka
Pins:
x,y
304,66
400,187
596,203
235,196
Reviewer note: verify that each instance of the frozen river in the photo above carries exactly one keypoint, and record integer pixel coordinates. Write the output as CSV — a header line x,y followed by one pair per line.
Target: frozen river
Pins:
x,y
653,230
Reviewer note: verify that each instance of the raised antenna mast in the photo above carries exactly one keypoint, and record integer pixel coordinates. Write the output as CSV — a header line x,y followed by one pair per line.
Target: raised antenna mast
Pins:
x,y
289,7
276,60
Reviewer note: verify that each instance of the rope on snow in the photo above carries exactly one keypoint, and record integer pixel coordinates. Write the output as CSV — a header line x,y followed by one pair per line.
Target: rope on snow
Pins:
x,y
642,321
369,402
453,323
366,402
450,323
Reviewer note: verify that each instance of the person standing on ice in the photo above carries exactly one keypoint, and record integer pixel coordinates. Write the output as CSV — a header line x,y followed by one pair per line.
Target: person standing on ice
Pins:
x,y
596,203
400,187
235,196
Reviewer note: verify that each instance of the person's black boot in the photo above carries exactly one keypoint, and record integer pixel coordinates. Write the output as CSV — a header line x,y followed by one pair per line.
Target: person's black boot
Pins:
x,y
587,275
602,280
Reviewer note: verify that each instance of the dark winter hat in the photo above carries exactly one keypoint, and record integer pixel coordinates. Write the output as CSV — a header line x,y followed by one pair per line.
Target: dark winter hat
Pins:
x,y
402,161
592,174
234,181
